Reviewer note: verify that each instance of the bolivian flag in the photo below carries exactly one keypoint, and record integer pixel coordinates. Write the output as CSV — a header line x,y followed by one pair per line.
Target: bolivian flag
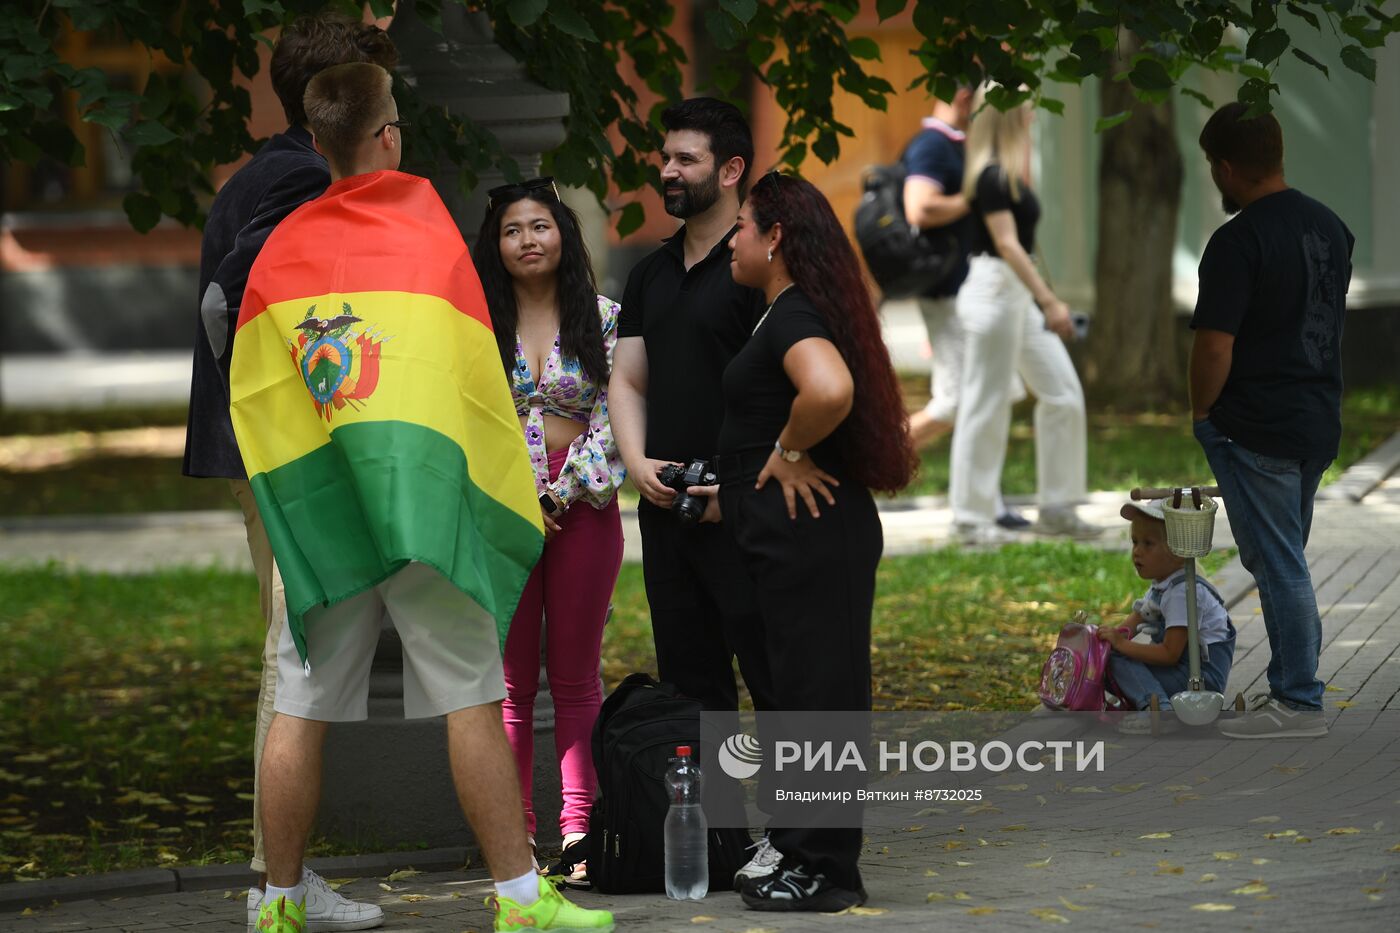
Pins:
x,y
371,408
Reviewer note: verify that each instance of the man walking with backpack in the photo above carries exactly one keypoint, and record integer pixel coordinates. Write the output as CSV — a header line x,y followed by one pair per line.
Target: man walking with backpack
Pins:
x,y
1266,393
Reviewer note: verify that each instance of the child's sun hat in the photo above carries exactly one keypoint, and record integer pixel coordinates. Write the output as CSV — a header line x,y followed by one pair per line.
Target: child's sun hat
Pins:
x,y
1153,509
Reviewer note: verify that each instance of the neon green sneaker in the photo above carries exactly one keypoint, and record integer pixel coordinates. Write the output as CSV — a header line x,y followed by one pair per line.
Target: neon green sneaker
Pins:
x,y
282,916
551,913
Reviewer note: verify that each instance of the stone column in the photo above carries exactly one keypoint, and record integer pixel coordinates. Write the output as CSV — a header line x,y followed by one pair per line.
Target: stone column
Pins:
x,y
387,783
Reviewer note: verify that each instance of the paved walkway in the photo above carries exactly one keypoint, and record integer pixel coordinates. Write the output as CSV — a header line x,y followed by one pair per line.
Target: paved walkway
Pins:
x,y
1186,832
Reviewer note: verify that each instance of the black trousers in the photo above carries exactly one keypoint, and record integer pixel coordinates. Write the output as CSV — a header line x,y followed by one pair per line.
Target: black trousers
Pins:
x,y
815,579
704,611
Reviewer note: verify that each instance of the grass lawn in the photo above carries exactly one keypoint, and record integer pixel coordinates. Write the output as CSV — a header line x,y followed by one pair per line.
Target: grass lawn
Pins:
x,y
1125,450
126,703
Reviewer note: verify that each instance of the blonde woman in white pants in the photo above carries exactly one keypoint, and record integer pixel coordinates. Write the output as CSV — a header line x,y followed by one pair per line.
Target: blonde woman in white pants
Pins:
x,y
1012,324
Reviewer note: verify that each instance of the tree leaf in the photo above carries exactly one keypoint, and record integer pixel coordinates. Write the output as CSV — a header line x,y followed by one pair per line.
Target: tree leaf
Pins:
x,y
1266,47
864,47
254,7
142,210
1150,75
742,10
566,17
1109,122
525,12
150,133
1355,58
1306,15
631,219
887,8
1299,53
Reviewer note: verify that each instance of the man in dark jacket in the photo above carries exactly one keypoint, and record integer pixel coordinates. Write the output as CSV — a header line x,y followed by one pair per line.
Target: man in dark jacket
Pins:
x,y
286,173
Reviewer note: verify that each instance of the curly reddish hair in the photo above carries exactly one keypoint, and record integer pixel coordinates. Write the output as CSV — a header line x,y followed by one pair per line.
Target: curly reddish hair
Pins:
x,y
879,452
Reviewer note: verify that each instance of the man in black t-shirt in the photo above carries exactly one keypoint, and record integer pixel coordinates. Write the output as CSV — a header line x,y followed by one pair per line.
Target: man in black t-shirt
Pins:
x,y
683,319
1266,393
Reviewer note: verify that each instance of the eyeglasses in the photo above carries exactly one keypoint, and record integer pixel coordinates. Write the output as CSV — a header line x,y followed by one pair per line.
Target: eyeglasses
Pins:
x,y
401,124
545,183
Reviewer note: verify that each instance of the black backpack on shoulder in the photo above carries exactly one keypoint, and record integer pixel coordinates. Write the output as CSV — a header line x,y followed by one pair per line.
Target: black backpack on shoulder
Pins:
x,y
904,261
634,740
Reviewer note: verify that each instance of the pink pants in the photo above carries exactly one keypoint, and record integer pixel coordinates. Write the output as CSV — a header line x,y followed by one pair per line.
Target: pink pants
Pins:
x,y
570,587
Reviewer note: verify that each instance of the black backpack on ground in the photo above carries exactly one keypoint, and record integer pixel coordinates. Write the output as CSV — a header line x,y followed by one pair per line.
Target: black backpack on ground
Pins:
x,y
905,262
634,740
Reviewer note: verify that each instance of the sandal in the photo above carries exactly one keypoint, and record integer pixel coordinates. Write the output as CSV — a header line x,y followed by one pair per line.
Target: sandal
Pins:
x,y
571,870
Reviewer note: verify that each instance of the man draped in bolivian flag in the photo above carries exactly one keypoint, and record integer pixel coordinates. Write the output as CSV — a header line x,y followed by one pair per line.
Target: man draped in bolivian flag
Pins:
x,y
391,474
370,408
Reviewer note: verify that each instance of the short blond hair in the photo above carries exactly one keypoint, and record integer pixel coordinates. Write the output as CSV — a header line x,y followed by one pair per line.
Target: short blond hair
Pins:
x,y
343,104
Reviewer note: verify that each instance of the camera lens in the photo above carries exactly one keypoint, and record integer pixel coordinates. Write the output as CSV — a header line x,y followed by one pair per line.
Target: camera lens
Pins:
x,y
688,508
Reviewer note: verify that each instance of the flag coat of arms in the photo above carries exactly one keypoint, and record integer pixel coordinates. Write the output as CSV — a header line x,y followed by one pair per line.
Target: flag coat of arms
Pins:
x,y
371,407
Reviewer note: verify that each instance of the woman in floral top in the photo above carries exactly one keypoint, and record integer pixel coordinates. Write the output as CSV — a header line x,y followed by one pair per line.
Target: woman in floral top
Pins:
x,y
556,337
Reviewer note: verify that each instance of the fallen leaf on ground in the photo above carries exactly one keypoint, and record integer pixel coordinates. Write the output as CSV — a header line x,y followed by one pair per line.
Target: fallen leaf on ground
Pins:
x,y
1212,908
1049,915
1041,864
1225,856
1068,906
864,911
414,898
961,864
1167,868
1128,788
981,911
961,896
1281,834
1156,836
1085,789
1207,877
702,919
1343,831
1261,861
1302,839
403,874
934,896
930,873
1345,704
1266,819
1254,887
384,887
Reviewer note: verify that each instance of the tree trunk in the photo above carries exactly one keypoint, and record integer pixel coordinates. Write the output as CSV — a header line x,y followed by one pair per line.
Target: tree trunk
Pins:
x,y
1132,354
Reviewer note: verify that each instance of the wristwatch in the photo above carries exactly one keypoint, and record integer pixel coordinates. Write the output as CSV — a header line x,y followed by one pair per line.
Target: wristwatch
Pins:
x,y
548,504
791,456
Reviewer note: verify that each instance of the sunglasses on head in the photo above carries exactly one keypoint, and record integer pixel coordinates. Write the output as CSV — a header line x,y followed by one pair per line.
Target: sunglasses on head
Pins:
x,y
534,185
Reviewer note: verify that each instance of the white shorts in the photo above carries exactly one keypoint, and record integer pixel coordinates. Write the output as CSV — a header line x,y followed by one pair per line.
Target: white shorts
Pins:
x,y
451,653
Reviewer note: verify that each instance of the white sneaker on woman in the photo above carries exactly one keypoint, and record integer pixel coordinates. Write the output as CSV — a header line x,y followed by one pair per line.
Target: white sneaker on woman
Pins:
x,y
326,911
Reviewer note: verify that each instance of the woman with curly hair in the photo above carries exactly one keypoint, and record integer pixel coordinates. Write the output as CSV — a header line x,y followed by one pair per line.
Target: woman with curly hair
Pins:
x,y
813,422
556,336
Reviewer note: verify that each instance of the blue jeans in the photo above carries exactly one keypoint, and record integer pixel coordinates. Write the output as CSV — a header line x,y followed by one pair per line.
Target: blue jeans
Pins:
x,y
1137,681
1270,505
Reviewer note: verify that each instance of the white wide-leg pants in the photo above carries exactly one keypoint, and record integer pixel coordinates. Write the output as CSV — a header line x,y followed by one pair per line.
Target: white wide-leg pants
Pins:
x,y
1005,335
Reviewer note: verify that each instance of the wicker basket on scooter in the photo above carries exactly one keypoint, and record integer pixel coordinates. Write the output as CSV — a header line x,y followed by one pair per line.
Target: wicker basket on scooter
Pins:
x,y
1190,524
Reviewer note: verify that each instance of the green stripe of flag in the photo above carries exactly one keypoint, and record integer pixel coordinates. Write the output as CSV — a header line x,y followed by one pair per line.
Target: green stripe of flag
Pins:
x,y
379,495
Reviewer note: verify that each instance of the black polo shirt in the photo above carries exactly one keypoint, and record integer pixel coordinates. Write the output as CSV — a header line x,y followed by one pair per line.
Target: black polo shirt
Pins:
x,y
693,322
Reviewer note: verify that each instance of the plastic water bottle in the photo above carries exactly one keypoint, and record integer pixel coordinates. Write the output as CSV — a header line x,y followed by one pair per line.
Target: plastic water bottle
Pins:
x,y
687,846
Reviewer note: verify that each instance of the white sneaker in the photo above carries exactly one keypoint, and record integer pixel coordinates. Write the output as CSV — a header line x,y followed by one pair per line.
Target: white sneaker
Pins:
x,y
326,911
1063,521
975,534
764,862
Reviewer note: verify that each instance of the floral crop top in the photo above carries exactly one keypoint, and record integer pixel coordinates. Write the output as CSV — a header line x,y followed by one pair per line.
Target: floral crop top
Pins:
x,y
593,470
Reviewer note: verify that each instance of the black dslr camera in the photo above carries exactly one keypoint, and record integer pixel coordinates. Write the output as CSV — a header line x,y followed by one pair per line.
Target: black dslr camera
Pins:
x,y
687,508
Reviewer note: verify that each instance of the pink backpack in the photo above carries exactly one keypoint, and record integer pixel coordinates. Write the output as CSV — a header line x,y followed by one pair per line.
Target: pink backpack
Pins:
x,y
1075,676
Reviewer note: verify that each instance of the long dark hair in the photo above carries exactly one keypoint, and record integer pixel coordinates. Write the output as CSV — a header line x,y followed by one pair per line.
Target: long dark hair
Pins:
x,y
879,452
580,331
